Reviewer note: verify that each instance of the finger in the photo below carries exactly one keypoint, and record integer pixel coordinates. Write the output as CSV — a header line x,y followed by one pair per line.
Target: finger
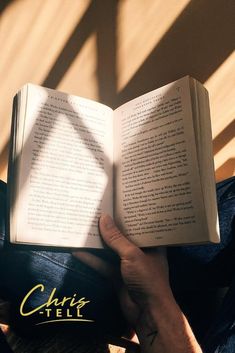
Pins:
x,y
96,263
114,238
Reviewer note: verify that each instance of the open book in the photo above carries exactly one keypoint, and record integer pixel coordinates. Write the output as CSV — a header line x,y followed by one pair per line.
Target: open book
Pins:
x,y
148,164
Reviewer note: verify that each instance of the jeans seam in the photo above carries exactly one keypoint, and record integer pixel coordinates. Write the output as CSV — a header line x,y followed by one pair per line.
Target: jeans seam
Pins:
x,y
78,272
221,202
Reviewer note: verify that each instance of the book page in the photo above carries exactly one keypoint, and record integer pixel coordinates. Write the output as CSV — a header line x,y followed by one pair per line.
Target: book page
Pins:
x,y
206,161
65,179
158,195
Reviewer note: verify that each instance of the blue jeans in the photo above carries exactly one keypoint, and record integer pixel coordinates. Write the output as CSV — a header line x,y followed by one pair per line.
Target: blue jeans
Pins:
x,y
192,268
198,271
21,270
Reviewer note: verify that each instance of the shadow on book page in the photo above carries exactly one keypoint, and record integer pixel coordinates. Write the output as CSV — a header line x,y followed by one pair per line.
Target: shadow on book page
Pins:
x,y
65,174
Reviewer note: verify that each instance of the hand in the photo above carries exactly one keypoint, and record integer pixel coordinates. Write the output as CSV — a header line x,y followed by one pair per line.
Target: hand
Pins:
x,y
145,295
144,275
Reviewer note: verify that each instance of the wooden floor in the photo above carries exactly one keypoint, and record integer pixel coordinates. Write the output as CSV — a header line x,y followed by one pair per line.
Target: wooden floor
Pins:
x,y
113,51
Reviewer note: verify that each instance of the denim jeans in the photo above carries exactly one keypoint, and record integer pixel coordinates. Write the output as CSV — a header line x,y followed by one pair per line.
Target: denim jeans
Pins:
x,y
21,270
199,270
204,267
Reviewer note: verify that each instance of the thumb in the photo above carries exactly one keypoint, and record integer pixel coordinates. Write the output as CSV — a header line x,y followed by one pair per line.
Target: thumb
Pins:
x,y
114,238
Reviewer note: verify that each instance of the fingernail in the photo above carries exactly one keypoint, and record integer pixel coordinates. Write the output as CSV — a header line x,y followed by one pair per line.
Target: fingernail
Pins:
x,y
107,221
